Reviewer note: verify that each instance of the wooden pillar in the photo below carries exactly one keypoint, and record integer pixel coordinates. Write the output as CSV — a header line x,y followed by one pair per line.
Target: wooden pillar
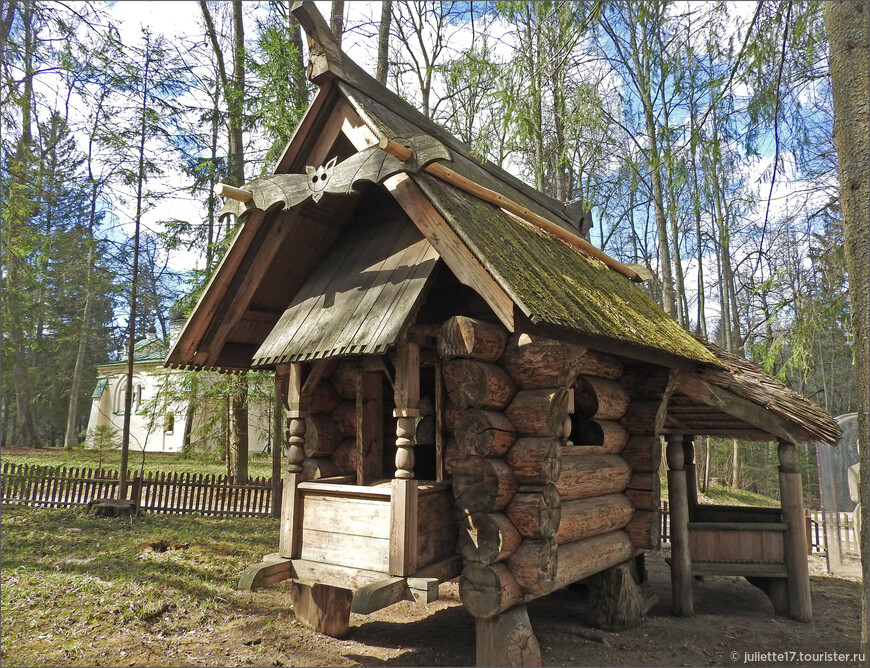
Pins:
x,y
507,639
691,475
278,426
681,559
407,407
291,512
439,423
369,427
800,604
403,501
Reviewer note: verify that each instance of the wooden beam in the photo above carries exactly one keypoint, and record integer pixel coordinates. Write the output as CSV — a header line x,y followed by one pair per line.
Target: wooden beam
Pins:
x,y
231,192
447,175
188,346
357,132
268,571
349,577
423,590
379,595
740,408
305,132
458,257
246,279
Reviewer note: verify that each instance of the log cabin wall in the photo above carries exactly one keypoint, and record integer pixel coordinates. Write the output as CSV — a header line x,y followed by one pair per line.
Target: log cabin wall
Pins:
x,y
534,445
645,384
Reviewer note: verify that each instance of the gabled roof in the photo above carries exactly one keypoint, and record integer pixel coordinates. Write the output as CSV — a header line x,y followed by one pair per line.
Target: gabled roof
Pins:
x,y
261,307
334,260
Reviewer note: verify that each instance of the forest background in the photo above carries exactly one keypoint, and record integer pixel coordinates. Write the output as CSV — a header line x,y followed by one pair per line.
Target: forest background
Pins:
x,y
698,135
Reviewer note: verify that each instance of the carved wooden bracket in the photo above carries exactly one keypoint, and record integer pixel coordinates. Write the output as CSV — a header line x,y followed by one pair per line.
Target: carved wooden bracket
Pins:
x,y
371,165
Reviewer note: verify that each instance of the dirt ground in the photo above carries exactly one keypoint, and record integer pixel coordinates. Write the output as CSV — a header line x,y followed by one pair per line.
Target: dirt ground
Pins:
x,y
733,621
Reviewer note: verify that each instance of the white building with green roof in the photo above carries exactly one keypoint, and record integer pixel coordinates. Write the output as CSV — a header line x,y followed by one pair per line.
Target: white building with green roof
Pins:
x,y
162,403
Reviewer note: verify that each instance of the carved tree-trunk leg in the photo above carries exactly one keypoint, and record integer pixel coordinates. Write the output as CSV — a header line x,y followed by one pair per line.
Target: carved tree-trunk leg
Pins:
x,y
507,639
322,608
616,600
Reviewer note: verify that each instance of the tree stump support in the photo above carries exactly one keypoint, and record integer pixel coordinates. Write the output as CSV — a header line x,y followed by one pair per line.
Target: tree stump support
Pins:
x,y
507,639
616,601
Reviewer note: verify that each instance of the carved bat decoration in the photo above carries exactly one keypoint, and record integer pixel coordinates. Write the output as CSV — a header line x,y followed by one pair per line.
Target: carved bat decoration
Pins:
x,y
371,165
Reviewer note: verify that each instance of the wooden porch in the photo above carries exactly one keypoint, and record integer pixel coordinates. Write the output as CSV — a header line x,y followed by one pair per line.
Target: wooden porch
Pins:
x,y
767,546
374,545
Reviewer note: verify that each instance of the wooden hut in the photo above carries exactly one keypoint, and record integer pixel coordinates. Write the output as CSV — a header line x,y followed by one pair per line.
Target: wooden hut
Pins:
x,y
472,390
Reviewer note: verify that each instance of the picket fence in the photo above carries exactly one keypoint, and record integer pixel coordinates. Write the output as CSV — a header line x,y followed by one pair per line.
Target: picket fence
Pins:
x,y
155,492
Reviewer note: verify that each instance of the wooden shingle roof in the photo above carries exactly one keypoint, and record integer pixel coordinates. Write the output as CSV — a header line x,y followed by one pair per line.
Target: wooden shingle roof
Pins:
x,y
358,299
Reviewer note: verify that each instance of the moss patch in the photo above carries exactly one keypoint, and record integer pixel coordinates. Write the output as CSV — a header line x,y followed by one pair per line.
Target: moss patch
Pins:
x,y
555,284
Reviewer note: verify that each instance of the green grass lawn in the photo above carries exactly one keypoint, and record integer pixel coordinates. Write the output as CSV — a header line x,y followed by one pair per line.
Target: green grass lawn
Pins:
x,y
258,464
70,580
722,495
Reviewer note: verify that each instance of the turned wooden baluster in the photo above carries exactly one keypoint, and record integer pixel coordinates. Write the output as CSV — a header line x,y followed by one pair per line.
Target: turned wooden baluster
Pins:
x,y
290,533
403,505
407,407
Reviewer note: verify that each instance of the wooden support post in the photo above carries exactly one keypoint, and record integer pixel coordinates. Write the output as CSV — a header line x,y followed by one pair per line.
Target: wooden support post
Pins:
x,y
291,517
681,558
507,639
322,608
800,603
691,476
369,427
439,423
295,420
403,527
278,436
291,511
407,389
403,501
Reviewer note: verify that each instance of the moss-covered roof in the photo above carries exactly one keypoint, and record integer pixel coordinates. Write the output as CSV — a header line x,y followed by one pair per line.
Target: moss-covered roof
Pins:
x,y
554,284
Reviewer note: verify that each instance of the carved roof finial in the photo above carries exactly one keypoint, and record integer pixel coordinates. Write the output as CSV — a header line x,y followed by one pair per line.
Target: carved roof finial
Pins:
x,y
325,57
